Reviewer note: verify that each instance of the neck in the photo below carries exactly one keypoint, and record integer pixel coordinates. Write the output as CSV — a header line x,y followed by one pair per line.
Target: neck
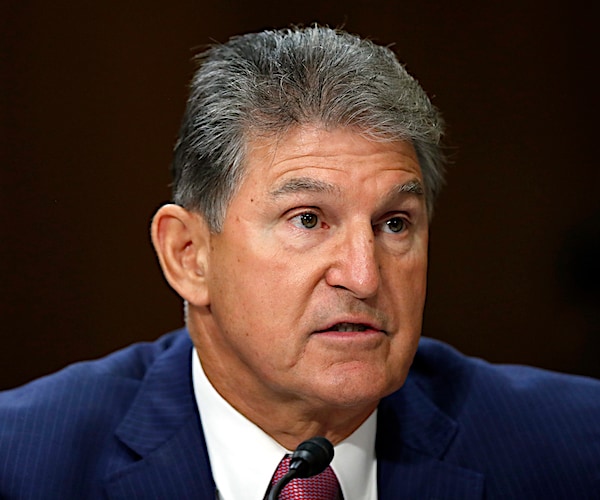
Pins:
x,y
291,421
287,418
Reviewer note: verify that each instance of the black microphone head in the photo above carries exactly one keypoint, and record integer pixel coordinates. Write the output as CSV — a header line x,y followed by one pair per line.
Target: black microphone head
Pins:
x,y
312,457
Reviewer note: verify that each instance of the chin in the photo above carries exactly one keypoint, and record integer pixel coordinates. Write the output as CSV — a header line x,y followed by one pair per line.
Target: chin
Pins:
x,y
360,388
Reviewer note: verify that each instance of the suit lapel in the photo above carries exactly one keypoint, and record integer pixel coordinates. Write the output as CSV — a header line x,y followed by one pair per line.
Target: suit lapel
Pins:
x,y
413,435
163,432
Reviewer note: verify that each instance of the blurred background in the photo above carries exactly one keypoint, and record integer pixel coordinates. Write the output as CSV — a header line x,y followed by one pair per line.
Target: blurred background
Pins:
x,y
91,95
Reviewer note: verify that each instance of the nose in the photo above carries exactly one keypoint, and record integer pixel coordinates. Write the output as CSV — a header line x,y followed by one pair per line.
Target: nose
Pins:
x,y
354,263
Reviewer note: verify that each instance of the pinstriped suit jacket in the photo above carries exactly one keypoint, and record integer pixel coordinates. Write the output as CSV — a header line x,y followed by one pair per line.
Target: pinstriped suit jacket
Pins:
x,y
127,427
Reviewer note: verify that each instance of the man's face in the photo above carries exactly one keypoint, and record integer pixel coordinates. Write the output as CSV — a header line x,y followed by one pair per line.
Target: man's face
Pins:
x,y
317,281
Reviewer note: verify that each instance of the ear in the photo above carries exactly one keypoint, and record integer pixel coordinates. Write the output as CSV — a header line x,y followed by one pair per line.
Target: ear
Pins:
x,y
181,239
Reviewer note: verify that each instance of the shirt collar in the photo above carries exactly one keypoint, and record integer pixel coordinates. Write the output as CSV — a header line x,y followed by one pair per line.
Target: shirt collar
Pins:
x,y
243,457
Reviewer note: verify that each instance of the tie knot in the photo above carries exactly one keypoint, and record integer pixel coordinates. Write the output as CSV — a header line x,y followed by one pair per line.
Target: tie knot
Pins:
x,y
323,486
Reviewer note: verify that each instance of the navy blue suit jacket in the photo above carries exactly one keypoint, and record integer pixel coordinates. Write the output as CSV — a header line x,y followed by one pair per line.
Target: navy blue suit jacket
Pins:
x,y
127,427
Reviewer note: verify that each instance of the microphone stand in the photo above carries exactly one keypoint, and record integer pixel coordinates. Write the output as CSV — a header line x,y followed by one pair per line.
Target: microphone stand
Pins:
x,y
279,485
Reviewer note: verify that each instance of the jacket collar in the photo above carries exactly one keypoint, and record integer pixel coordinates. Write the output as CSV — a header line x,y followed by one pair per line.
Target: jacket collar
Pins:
x,y
163,430
412,437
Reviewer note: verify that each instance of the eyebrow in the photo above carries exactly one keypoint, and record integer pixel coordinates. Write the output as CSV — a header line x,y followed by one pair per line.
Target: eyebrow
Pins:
x,y
307,184
304,184
413,186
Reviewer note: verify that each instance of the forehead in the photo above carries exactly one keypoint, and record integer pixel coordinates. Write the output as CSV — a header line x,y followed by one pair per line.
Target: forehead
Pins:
x,y
342,153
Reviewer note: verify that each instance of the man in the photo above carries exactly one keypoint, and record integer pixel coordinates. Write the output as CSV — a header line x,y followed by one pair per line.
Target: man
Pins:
x,y
304,179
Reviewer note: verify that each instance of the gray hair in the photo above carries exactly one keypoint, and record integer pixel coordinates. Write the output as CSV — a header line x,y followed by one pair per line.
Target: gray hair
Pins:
x,y
273,81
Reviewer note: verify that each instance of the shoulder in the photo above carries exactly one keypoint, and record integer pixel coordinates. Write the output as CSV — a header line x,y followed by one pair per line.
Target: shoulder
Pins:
x,y
64,424
526,429
456,382
121,370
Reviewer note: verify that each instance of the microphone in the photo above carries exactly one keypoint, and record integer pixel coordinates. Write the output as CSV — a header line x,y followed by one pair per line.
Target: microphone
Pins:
x,y
310,458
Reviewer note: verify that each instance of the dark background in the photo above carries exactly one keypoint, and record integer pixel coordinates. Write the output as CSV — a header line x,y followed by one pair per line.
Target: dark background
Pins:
x,y
90,102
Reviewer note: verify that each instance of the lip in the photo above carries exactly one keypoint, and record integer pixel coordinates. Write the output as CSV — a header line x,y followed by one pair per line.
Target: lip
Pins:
x,y
365,326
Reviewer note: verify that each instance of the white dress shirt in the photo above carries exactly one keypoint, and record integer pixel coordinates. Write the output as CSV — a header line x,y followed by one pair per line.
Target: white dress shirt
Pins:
x,y
243,457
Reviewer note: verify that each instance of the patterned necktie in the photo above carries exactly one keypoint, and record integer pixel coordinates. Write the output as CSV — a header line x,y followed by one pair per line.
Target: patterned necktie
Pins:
x,y
323,486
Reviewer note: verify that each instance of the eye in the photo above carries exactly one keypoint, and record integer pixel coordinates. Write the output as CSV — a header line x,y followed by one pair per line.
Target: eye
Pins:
x,y
394,225
306,220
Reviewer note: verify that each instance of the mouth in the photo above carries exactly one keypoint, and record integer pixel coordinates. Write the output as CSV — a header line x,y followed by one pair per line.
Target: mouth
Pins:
x,y
351,328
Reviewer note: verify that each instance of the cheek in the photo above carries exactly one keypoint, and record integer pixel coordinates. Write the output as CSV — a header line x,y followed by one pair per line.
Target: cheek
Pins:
x,y
275,262
407,275
255,279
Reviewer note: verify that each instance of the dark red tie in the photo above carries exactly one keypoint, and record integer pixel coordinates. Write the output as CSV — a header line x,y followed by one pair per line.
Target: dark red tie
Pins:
x,y
323,486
